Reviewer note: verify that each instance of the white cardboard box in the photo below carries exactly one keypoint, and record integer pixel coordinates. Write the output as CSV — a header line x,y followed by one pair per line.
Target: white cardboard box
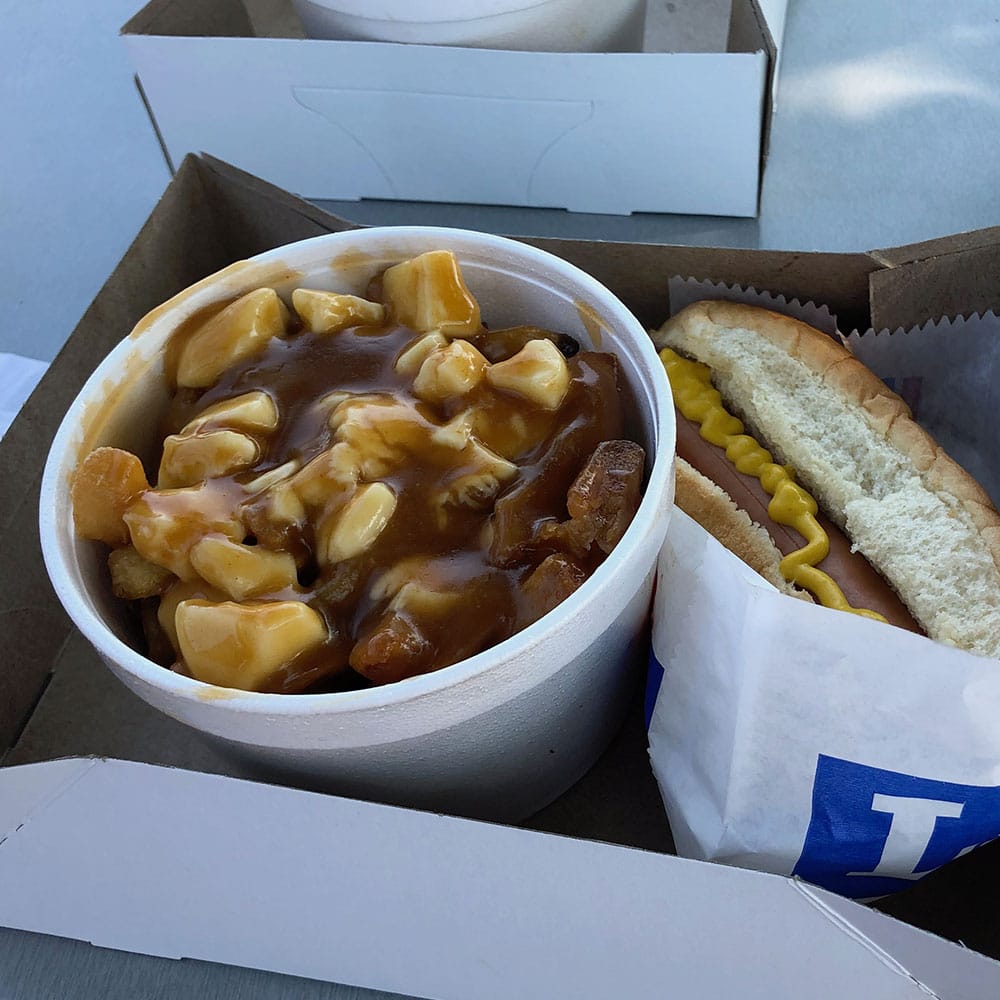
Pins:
x,y
591,132
428,905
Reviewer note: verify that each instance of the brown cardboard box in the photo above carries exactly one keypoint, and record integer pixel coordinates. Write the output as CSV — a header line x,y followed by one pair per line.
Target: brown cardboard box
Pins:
x,y
57,699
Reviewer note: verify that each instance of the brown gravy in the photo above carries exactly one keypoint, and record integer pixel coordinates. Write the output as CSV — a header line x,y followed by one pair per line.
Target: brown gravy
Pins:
x,y
480,558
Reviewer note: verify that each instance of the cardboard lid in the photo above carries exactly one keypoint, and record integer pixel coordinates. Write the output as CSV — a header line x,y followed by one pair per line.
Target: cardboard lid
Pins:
x,y
950,276
398,900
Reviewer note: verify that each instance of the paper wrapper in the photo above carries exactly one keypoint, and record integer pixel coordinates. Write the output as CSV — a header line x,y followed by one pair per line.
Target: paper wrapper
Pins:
x,y
948,374
684,291
804,741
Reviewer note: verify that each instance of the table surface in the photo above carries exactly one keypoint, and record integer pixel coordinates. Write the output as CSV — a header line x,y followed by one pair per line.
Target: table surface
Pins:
x,y
886,131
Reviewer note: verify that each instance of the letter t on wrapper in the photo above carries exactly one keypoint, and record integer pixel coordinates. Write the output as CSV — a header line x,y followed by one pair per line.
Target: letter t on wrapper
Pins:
x,y
911,829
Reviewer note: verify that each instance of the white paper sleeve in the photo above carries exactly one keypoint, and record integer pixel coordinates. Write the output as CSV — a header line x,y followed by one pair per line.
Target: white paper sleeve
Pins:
x,y
804,741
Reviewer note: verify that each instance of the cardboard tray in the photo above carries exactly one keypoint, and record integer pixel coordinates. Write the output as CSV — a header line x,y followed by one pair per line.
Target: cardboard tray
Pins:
x,y
121,827
654,131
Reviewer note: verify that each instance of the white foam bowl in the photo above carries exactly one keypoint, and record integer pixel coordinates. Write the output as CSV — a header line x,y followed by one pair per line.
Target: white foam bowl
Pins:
x,y
496,736
527,25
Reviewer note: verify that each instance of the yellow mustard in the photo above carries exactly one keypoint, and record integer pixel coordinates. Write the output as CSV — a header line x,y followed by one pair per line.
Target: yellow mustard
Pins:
x,y
697,399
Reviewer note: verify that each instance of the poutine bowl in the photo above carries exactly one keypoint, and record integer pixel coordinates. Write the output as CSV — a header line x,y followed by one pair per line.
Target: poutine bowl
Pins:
x,y
495,736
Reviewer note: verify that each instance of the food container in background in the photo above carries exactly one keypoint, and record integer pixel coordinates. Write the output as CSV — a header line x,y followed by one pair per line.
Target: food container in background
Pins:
x,y
549,26
664,129
498,735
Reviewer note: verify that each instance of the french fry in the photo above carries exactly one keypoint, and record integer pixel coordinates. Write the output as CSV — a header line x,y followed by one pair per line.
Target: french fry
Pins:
x,y
133,577
104,485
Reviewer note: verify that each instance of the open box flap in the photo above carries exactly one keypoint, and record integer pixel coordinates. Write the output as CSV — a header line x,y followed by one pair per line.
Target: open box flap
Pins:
x,y
927,958
325,887
220,19
951,276
625,268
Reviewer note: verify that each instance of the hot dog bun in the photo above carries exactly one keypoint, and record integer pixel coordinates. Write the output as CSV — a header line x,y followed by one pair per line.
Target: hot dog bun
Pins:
x,y
716,511
917,517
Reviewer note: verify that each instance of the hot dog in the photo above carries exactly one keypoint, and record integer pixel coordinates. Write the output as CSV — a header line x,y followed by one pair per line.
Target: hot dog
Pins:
x,y
910,537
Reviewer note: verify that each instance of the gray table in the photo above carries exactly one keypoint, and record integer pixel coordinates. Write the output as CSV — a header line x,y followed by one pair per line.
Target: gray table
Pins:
x,y
886,131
